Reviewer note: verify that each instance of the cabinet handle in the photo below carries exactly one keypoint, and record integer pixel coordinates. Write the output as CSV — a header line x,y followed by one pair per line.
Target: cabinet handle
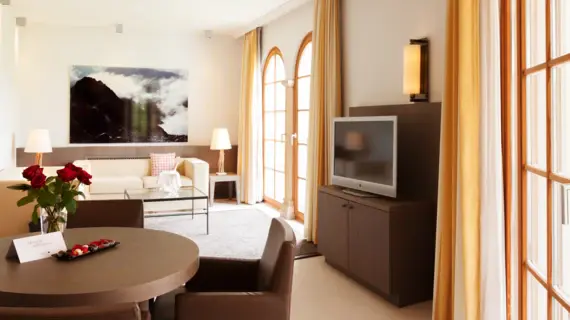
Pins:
x,y
351,207
345,205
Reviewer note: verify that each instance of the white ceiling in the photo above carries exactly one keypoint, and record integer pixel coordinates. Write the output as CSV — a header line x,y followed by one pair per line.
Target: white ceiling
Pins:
x,y
233,17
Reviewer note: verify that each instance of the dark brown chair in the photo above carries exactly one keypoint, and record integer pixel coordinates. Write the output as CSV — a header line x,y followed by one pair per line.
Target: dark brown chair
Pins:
x,y
107,213
104,213
240,289
116,312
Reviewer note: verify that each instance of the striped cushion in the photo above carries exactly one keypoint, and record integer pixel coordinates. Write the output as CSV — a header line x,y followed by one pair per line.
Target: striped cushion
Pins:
x,y
162,162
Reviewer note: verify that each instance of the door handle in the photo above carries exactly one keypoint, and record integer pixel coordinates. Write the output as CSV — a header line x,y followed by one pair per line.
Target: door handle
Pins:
x,y
565,219
293,137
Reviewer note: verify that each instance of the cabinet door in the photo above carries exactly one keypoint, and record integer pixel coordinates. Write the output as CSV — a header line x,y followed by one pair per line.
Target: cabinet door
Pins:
x,y
369,247
333,229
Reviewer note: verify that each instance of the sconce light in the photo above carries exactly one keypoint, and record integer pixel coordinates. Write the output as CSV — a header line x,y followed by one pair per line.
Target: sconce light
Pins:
x,y
416,70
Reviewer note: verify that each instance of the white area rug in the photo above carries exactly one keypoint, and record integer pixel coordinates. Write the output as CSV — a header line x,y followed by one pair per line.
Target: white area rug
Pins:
x,y
233,234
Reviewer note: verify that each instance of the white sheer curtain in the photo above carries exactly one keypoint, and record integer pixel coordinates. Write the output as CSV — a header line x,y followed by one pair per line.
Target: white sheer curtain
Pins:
x,y
493,272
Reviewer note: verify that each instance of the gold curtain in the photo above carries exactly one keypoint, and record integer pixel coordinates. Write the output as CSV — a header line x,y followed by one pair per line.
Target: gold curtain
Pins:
x,y
457,273
250,118
326,103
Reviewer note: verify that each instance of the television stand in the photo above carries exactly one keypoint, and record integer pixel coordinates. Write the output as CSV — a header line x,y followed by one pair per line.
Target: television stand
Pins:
x,y
387,244
360,194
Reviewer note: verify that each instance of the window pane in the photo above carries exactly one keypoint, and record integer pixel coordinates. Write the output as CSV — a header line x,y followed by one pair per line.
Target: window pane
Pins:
x,y
269,125
561,118
303,126
302,162
280,97
560,27
279,69
558,311
561,237
280,156
279,187
269,154
537,298
269,183
535,32
303,93
536,119
280,126
269,97
269,75
536,221
305,61
301,189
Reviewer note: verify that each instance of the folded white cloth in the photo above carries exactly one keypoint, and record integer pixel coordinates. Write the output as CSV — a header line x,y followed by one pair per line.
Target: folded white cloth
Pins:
x,y
169,181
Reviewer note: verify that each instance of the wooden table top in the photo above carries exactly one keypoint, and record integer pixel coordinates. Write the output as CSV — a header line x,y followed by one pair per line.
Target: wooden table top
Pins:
x,y
146,264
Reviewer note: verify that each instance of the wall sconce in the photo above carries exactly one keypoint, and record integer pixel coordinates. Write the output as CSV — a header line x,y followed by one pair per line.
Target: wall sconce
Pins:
x,y
416,70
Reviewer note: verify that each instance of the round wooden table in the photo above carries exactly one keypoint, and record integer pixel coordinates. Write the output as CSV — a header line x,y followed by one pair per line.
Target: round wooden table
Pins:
x,y
146,264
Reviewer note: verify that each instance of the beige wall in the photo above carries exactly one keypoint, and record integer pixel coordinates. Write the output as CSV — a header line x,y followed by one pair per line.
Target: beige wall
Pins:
x,y
8,109
374,35
47,52
287,33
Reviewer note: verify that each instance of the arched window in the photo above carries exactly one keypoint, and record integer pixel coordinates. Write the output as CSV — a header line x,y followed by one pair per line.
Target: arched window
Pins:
x,y
301,122
274,124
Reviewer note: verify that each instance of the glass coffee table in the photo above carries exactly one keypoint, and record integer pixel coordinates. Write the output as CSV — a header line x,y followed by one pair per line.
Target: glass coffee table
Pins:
x,y
184,194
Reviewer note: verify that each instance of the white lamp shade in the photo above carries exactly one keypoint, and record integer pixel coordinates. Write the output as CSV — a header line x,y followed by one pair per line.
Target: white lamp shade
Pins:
x,y
220,139
412,68
38,142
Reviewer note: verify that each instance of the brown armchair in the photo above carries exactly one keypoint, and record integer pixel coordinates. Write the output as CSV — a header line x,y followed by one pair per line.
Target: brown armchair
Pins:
x,y
241,289
116,312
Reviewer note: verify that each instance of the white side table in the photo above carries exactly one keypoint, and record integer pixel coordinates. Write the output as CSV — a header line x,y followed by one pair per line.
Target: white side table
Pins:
x,y
230,177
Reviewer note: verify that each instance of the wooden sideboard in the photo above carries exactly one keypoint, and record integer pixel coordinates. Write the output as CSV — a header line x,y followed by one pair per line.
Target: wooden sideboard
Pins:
x,y
386,244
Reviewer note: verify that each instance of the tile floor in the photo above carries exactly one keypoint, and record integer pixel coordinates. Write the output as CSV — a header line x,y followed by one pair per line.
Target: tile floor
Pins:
x,y
321,292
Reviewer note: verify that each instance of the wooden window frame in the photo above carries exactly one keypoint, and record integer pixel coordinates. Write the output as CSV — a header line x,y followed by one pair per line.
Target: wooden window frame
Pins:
x,y
306,40
273,52
524,169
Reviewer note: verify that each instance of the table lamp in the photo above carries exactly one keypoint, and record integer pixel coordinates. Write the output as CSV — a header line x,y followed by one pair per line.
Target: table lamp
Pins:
x,y
220,141
38,143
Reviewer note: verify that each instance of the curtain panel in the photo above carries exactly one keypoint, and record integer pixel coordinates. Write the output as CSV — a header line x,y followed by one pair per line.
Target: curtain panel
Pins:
x,y
250,152
326,104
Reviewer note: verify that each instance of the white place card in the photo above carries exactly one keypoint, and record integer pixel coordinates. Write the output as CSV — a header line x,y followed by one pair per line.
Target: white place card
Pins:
x,y
36,247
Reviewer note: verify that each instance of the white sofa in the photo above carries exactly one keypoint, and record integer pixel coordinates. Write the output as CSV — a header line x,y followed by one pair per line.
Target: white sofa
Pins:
x,y
112,176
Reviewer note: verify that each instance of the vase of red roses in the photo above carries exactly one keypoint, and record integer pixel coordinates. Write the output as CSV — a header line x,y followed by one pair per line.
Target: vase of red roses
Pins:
x,y
55,196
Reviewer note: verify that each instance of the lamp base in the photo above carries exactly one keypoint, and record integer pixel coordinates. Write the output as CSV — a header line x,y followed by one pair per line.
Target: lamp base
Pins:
x,y
221,173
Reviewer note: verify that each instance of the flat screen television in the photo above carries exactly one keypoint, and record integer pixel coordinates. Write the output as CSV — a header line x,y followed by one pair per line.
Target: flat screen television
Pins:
x,y
365,154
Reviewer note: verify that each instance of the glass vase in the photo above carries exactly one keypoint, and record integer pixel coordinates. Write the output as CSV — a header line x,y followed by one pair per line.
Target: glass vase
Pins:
x,y
52,220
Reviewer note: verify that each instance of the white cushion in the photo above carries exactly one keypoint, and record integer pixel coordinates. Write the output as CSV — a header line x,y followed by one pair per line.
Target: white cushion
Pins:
x,y
115,184
150,182
120,167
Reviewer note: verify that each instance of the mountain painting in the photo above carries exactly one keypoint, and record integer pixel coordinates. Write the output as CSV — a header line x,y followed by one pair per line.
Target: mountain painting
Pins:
x,y
128,105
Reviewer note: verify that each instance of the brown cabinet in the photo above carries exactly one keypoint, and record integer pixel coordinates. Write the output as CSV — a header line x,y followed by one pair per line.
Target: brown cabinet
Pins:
x,y
386,244
368,233
333,244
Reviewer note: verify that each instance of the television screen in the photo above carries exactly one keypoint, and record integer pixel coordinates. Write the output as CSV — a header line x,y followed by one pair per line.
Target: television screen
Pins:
x,y
364,153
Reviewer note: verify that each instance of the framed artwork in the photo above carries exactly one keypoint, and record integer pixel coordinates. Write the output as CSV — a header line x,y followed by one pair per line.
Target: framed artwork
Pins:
x,y
127,105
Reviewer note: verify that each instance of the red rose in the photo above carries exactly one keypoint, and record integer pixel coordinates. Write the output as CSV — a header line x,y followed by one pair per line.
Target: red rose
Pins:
x,y
84,177
32,171
38,181
73,167
66,174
